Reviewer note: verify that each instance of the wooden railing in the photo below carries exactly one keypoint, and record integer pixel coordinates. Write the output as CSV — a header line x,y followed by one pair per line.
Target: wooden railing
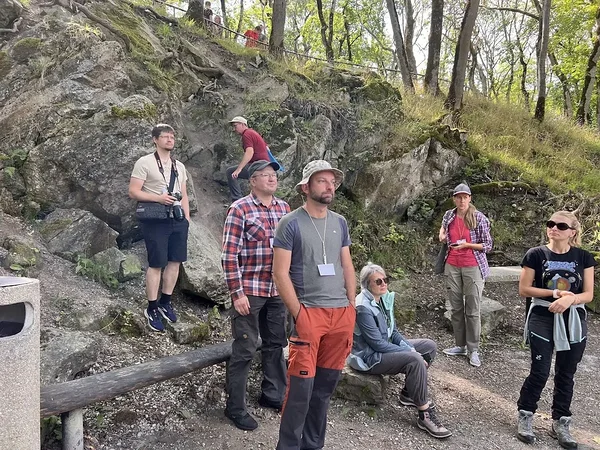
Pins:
x,y
69,398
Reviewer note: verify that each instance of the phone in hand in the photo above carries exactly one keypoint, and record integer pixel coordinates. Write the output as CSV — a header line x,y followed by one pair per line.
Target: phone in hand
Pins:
x,y
427,357
454,244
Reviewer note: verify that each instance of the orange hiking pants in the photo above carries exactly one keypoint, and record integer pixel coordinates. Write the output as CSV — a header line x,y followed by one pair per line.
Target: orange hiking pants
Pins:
x,y
319,345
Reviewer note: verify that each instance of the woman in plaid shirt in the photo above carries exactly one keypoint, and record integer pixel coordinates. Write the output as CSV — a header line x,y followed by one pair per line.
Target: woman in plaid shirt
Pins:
x,y
467,232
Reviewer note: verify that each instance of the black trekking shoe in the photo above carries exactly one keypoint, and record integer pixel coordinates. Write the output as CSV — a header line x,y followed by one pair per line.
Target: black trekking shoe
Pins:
x,y
266,403
245,422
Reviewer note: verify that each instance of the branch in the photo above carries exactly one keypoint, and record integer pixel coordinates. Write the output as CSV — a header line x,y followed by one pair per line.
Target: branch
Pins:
x,y
515,10
15,27
156,15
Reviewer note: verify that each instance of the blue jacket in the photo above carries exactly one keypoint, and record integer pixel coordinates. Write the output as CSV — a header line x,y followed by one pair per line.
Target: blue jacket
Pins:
x,y
375,331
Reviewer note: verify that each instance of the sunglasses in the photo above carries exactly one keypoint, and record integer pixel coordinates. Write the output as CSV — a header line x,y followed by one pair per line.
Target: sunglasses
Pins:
x,y
560,225
380,281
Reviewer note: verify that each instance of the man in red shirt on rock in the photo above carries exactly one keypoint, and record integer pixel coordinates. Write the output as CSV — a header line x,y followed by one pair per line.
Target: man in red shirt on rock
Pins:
x,y
255,149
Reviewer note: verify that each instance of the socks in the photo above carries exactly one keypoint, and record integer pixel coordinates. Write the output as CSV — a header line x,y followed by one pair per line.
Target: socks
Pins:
x,y
165,298
152,304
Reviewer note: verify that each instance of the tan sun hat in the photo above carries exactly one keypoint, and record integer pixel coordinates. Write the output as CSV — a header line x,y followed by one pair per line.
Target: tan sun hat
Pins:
x,y
239,119
319,165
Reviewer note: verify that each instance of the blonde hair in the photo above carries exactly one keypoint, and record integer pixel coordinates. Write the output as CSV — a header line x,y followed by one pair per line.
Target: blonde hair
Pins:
x,y
470,219
575,240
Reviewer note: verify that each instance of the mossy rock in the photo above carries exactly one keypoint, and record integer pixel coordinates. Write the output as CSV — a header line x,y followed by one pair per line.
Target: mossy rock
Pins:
x,y
5,64
130,268
148,112
124,322
50,229
25,49
378,90
21,254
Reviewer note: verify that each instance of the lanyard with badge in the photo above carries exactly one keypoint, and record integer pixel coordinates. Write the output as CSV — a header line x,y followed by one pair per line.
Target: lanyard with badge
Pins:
x,y
325,270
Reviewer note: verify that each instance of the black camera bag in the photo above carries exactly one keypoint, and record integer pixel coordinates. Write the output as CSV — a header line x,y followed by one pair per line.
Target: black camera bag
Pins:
x,y
154,211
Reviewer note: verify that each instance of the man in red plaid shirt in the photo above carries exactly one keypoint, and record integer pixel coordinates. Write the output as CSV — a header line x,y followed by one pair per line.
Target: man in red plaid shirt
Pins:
x,y
247,262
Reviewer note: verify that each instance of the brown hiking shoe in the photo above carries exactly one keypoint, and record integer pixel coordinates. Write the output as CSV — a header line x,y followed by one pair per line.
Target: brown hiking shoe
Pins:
x,y
429,422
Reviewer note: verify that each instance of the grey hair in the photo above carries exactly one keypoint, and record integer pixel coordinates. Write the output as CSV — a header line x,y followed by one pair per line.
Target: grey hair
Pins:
x,y
367,271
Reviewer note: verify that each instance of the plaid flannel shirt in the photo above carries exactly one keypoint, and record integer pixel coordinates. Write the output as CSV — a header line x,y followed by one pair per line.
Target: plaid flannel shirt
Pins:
x,y
247,256
480,235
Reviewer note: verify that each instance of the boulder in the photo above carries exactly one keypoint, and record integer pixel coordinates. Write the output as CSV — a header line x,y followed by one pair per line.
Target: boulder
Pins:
x,y
71,233
492,313
66,355
202,274
121,266
361,387
21,253
393,185
405,305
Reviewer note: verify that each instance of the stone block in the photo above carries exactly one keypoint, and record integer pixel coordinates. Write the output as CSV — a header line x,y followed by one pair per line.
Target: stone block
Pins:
x,y
188,329
492,313
67,355
504,274
361,387
20,368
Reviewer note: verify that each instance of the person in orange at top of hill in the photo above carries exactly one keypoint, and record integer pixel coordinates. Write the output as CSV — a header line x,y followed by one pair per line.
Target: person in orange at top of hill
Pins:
x,y
253,36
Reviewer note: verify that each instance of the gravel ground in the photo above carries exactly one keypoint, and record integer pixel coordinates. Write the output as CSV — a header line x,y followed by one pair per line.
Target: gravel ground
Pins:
x,y
477,405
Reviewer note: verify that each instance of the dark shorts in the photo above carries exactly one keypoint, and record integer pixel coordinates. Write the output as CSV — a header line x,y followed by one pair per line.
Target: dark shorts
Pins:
x,y
166,241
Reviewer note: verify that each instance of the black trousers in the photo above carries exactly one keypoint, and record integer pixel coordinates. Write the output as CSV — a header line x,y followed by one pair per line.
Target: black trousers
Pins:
x,y
267,317
542,347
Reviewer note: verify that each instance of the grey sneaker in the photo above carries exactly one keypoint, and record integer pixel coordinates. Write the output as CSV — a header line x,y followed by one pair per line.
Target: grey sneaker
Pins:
x,y
429,422
406,400
560,431
456,351
474,359
525,427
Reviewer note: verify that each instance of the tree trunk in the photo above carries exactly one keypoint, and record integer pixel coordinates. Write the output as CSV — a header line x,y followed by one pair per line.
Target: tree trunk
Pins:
x,y
409,34
472,69
399,43
567,100
326,43
597,105
524,79
457,83
330,27
224,14
239,25
195,11
434,48
540,106
583,111
277,27
347,36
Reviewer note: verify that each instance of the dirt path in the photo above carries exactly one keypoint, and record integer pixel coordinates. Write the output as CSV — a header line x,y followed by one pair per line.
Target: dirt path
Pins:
x,y
478,405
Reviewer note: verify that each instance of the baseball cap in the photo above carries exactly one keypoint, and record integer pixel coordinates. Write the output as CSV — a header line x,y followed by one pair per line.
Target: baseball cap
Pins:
x,y
260,165
319,165
239,119
462,188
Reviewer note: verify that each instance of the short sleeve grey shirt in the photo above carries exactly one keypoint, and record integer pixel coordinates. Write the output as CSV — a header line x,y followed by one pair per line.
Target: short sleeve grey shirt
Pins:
x,y
297,233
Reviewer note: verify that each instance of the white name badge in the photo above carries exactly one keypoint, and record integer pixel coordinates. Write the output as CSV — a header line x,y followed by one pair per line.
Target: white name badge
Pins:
x,y
271,242
326,270
461,241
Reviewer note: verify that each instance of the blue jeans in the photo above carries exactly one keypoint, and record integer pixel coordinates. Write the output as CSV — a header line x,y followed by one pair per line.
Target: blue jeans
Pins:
x,y
542,347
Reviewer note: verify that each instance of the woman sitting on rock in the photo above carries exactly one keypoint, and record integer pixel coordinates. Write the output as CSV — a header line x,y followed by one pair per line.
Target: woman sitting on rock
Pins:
x,y
467,232
379,348
560,278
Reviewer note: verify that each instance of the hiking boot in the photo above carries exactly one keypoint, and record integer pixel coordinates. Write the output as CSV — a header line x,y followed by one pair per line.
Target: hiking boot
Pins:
x,y
154,320
408,401
266,403
456,351
429,422
525,427
245,422
560,431
474,359
167,311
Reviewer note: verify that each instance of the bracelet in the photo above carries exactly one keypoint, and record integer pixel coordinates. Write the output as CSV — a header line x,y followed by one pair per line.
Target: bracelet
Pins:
x,y
555,293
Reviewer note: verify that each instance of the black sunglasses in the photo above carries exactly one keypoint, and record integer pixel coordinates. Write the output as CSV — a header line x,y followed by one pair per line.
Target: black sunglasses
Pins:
x,y
560,225
380,281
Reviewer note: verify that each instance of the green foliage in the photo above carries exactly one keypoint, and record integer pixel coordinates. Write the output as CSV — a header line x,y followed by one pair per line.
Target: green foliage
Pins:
x,y
50,430
10,171
97,272
164,31
83,31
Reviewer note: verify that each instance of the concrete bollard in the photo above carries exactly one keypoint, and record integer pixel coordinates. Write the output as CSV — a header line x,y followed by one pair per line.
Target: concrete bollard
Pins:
x,y
20,366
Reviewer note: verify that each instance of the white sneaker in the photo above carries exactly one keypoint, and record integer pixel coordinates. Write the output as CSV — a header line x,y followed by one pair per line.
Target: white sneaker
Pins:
x,y
474,359
455,351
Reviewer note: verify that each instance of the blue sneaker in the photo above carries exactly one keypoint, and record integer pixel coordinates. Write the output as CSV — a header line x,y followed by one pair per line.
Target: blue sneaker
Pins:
x,y
154,320
167,311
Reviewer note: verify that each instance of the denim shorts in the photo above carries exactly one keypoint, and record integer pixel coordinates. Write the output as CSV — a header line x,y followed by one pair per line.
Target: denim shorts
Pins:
x,y
166,241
